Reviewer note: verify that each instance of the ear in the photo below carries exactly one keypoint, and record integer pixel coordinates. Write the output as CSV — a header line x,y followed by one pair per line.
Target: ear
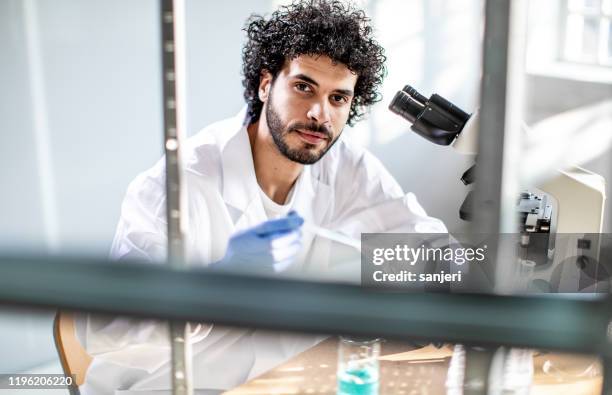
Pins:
x,y
265,84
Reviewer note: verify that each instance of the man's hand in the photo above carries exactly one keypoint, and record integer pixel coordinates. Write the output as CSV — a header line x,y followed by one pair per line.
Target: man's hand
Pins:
x,y
270,247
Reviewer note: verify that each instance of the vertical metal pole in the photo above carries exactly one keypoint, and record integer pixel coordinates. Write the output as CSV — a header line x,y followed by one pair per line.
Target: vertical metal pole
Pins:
x,y
492,116
173,74
507,261
499,136
513,122
491,125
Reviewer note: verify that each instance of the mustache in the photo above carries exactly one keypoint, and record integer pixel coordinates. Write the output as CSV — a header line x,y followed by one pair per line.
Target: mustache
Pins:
x,y
311,127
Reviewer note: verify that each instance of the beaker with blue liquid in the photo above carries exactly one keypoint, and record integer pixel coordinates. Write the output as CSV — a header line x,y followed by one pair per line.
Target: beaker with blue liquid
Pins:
x,y
358,369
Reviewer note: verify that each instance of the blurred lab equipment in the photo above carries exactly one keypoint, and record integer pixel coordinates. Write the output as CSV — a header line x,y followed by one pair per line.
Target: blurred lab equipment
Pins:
x,y
498,371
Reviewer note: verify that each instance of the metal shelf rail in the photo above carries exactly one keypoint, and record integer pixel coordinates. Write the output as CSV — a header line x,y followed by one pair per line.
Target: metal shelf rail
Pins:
x,y
203,295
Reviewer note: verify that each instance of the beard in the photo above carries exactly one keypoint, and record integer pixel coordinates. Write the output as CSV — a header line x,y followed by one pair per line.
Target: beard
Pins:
x,y
308,153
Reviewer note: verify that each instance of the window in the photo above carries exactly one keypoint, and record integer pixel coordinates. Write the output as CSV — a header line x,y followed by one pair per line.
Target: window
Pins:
x,y
587,35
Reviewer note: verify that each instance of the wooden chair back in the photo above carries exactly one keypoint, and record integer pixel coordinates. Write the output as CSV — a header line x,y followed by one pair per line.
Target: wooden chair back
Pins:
x,y
73,357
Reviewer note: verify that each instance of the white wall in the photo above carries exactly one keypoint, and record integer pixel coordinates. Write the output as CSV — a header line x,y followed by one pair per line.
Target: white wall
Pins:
x,y
90,123
99,97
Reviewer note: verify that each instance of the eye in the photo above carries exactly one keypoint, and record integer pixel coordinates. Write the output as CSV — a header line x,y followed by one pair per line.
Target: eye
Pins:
x,y
339,99
302,87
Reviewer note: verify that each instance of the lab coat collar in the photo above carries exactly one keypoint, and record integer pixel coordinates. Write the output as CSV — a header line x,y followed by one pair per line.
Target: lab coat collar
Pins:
x,y
239,181
314,198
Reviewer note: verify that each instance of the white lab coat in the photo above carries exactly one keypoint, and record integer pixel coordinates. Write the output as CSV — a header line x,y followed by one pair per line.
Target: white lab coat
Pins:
x,y
348,190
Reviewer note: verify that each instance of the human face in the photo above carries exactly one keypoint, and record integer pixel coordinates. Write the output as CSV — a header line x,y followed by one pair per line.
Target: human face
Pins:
x,y
307,105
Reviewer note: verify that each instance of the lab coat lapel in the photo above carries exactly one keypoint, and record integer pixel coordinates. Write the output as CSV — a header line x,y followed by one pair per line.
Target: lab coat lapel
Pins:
x,y
312,202
239,182
313,197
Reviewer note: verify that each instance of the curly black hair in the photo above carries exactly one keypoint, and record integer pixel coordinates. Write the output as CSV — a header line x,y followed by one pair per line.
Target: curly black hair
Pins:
x,y
313,27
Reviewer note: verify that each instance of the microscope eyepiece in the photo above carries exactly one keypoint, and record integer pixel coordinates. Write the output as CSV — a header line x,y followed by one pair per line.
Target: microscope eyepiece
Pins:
x,y
415,94
404,105
435,119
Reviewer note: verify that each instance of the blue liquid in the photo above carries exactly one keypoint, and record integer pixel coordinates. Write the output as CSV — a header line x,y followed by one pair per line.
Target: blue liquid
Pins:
x,y
358,382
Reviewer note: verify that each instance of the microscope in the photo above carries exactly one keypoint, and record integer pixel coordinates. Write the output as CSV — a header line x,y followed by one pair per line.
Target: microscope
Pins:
x,y
568,201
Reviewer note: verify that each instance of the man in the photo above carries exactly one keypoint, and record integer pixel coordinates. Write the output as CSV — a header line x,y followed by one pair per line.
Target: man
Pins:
x,y
252,181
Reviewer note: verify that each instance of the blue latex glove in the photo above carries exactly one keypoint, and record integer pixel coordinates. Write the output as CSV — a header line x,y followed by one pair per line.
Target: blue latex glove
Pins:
x,y
269,247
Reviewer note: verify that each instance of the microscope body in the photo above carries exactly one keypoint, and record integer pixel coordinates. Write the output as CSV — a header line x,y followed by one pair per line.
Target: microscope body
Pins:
x,y
569,202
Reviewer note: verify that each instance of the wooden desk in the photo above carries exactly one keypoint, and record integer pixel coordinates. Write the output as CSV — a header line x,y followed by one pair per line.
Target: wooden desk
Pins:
x,y
406,371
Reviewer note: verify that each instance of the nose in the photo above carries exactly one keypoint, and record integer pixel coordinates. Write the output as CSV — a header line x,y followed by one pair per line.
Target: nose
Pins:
x,y
319,112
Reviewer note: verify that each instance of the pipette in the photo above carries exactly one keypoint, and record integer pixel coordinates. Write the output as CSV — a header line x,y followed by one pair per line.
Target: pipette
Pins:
x,y
332,235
